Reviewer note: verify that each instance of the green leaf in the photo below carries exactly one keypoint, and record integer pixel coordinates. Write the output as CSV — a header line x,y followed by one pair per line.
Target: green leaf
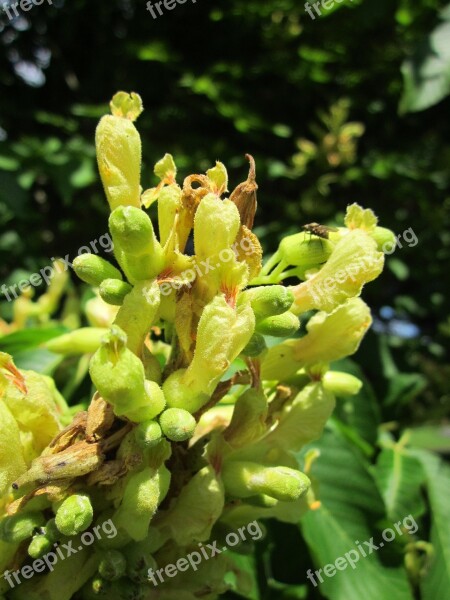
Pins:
x,y
426,74
436,582
399,477
350,505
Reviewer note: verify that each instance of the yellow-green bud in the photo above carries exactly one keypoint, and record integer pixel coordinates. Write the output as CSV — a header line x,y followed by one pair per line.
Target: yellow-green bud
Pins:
x,y
132,231
385,239
299,250
267,301
74,515
119,152
216,225
246,479
249,419
177,424
39,545
93,269
20,527
112,565
284,325
85,340
256,346
148,434
113,291
341,384
139,561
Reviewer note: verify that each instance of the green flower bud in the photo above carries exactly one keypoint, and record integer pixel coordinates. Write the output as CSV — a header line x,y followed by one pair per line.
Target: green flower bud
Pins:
x,y
119,152
246,479
267,301
385,239
132,231
197,508
112,565
218,177
52,531
177,424
143,493
249,419
284,325
39,545
93,269
256,346
74,515
139,561
20,527
138,313
113,291
299,250
341,384
119,377
128,106
85,340
148,434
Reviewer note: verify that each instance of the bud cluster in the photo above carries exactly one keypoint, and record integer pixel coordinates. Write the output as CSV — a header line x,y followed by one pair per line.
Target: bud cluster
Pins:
x,y
202,397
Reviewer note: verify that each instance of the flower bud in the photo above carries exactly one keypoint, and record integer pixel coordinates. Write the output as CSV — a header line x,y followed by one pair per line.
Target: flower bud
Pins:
x,y
74,515
177,424
256,346
137,314
81,341
246,479
39,545
119,152
143,493
113,291
385,239
341,384
148,433
197,508
284,325
299,250
93,269
267,301
249,419
216,225
112,565
139,250
20,526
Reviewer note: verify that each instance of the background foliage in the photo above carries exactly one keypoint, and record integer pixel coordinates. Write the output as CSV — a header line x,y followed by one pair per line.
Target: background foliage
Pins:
x,y
352,106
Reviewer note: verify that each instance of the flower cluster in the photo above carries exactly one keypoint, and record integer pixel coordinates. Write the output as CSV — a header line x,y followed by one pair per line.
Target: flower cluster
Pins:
x,y
202,397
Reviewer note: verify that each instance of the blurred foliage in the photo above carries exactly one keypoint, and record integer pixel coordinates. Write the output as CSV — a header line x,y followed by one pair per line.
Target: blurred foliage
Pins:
x,y
352,106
